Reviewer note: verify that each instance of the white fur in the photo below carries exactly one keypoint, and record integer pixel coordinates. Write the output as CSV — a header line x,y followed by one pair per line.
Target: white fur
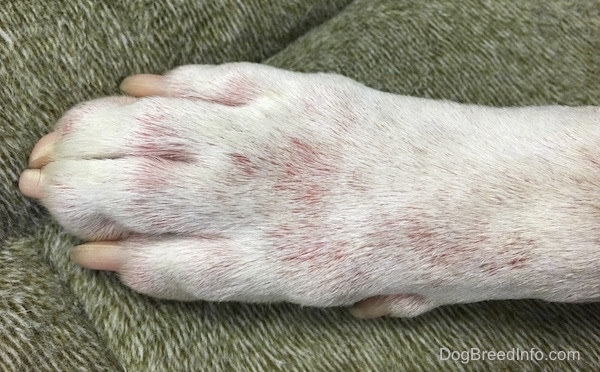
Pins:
x,y
315,189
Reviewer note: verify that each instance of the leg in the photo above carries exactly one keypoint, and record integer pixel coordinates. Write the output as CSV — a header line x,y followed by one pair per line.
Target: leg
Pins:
x,y
244,182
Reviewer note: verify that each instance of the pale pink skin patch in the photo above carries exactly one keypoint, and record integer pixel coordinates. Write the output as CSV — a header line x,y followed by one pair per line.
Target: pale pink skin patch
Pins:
x,y
242,182
156,139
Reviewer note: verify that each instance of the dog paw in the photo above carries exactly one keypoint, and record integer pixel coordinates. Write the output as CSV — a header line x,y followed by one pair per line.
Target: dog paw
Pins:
x,y
242,182
234,182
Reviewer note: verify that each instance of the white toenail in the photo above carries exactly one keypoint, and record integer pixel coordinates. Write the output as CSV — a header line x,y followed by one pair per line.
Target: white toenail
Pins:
x,y
98,256
41,151
30,183
144,85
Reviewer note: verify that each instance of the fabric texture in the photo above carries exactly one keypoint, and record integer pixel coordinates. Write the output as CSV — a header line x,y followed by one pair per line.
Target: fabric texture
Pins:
x,y
56,316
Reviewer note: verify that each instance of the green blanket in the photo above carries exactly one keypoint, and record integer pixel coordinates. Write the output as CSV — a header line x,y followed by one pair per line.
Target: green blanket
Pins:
x,y
54,54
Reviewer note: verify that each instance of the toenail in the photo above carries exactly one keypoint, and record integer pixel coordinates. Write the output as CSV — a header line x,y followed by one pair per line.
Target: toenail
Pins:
x,y
144,85
31,182
40,155
98,256
373,307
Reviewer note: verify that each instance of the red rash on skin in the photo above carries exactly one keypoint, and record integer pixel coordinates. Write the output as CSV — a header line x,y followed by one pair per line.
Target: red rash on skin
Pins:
x,y
493,268
303,171
518,263
306,247
159,141
301,168
151,175
490,268
441,249
311,252
174,154
236,94
234,91
303,243
66,124
108,228
243,163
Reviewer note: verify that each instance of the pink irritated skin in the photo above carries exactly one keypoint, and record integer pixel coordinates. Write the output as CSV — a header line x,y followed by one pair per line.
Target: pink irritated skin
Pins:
x,y
235,91
303,172
156,139
248,183
244,164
